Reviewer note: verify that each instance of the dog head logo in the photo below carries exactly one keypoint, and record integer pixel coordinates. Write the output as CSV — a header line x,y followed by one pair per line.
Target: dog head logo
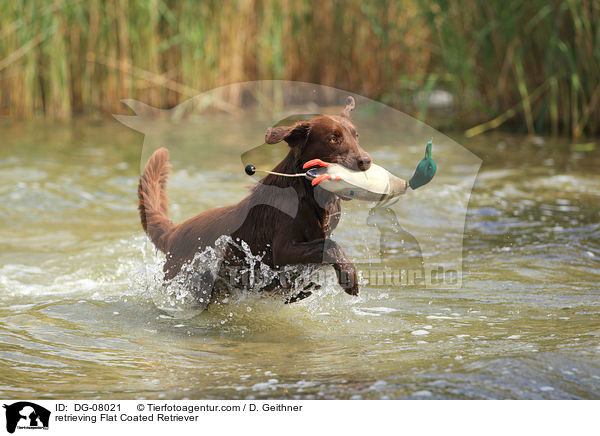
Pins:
x,y
26,415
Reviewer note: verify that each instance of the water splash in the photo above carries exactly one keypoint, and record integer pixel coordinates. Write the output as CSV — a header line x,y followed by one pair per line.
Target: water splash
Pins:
x,y
209,279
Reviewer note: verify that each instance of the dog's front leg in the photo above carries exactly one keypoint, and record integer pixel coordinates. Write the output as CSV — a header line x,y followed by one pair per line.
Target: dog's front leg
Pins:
x,y
286,252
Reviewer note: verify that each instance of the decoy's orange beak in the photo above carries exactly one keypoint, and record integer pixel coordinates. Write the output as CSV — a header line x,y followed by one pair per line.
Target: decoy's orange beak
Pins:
x,y
315,163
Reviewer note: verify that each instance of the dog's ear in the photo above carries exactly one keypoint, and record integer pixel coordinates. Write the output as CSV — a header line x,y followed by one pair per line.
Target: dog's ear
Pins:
x,y
291,134
349,106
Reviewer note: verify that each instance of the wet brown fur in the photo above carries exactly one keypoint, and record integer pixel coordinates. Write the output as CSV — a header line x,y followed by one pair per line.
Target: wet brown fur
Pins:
x,y
260,219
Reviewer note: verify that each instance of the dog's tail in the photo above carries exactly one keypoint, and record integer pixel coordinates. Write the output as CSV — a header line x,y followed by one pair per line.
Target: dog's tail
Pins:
x,y
152,194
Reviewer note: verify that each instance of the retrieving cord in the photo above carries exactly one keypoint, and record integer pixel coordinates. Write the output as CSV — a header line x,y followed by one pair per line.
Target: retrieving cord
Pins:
x,y
251,169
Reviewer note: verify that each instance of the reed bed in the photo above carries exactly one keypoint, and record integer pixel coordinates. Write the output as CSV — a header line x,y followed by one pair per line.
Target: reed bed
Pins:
x,y
531,65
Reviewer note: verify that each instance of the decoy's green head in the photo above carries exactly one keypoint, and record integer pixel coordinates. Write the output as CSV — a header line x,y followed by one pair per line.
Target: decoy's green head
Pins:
x,y
425,170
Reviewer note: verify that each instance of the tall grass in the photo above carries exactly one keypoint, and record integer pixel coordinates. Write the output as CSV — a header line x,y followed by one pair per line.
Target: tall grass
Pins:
x,y
534,64
64,57
528,64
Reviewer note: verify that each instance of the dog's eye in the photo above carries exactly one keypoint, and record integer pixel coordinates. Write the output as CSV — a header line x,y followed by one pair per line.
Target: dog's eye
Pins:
x,y
334,140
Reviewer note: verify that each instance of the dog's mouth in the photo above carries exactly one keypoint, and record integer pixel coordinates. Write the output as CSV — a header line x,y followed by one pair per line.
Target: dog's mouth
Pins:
x,y
354,164
317,170
351,164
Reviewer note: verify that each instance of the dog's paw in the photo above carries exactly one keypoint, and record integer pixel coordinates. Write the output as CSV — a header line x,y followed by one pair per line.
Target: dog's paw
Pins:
x,y
347,277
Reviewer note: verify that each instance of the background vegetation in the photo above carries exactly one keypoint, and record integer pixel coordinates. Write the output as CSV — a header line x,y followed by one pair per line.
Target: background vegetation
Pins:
x,y
531,65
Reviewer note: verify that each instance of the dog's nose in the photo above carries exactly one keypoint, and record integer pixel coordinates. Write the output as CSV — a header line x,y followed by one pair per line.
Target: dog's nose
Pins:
x,y
364,162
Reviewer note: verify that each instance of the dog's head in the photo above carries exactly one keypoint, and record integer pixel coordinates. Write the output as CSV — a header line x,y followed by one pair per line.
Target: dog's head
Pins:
x,y
329,138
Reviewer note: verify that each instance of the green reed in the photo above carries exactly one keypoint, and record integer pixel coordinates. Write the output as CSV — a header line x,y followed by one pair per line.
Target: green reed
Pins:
x,y
528,64
534,64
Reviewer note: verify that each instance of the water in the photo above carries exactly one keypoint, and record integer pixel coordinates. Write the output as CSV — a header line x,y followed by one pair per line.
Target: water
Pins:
x,y
83,313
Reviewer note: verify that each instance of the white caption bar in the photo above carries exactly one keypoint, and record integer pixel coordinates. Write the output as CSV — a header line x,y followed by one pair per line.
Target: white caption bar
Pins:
x,y
183,417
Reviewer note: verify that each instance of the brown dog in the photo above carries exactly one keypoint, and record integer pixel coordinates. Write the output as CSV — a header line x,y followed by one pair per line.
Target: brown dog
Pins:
x,y
285,219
